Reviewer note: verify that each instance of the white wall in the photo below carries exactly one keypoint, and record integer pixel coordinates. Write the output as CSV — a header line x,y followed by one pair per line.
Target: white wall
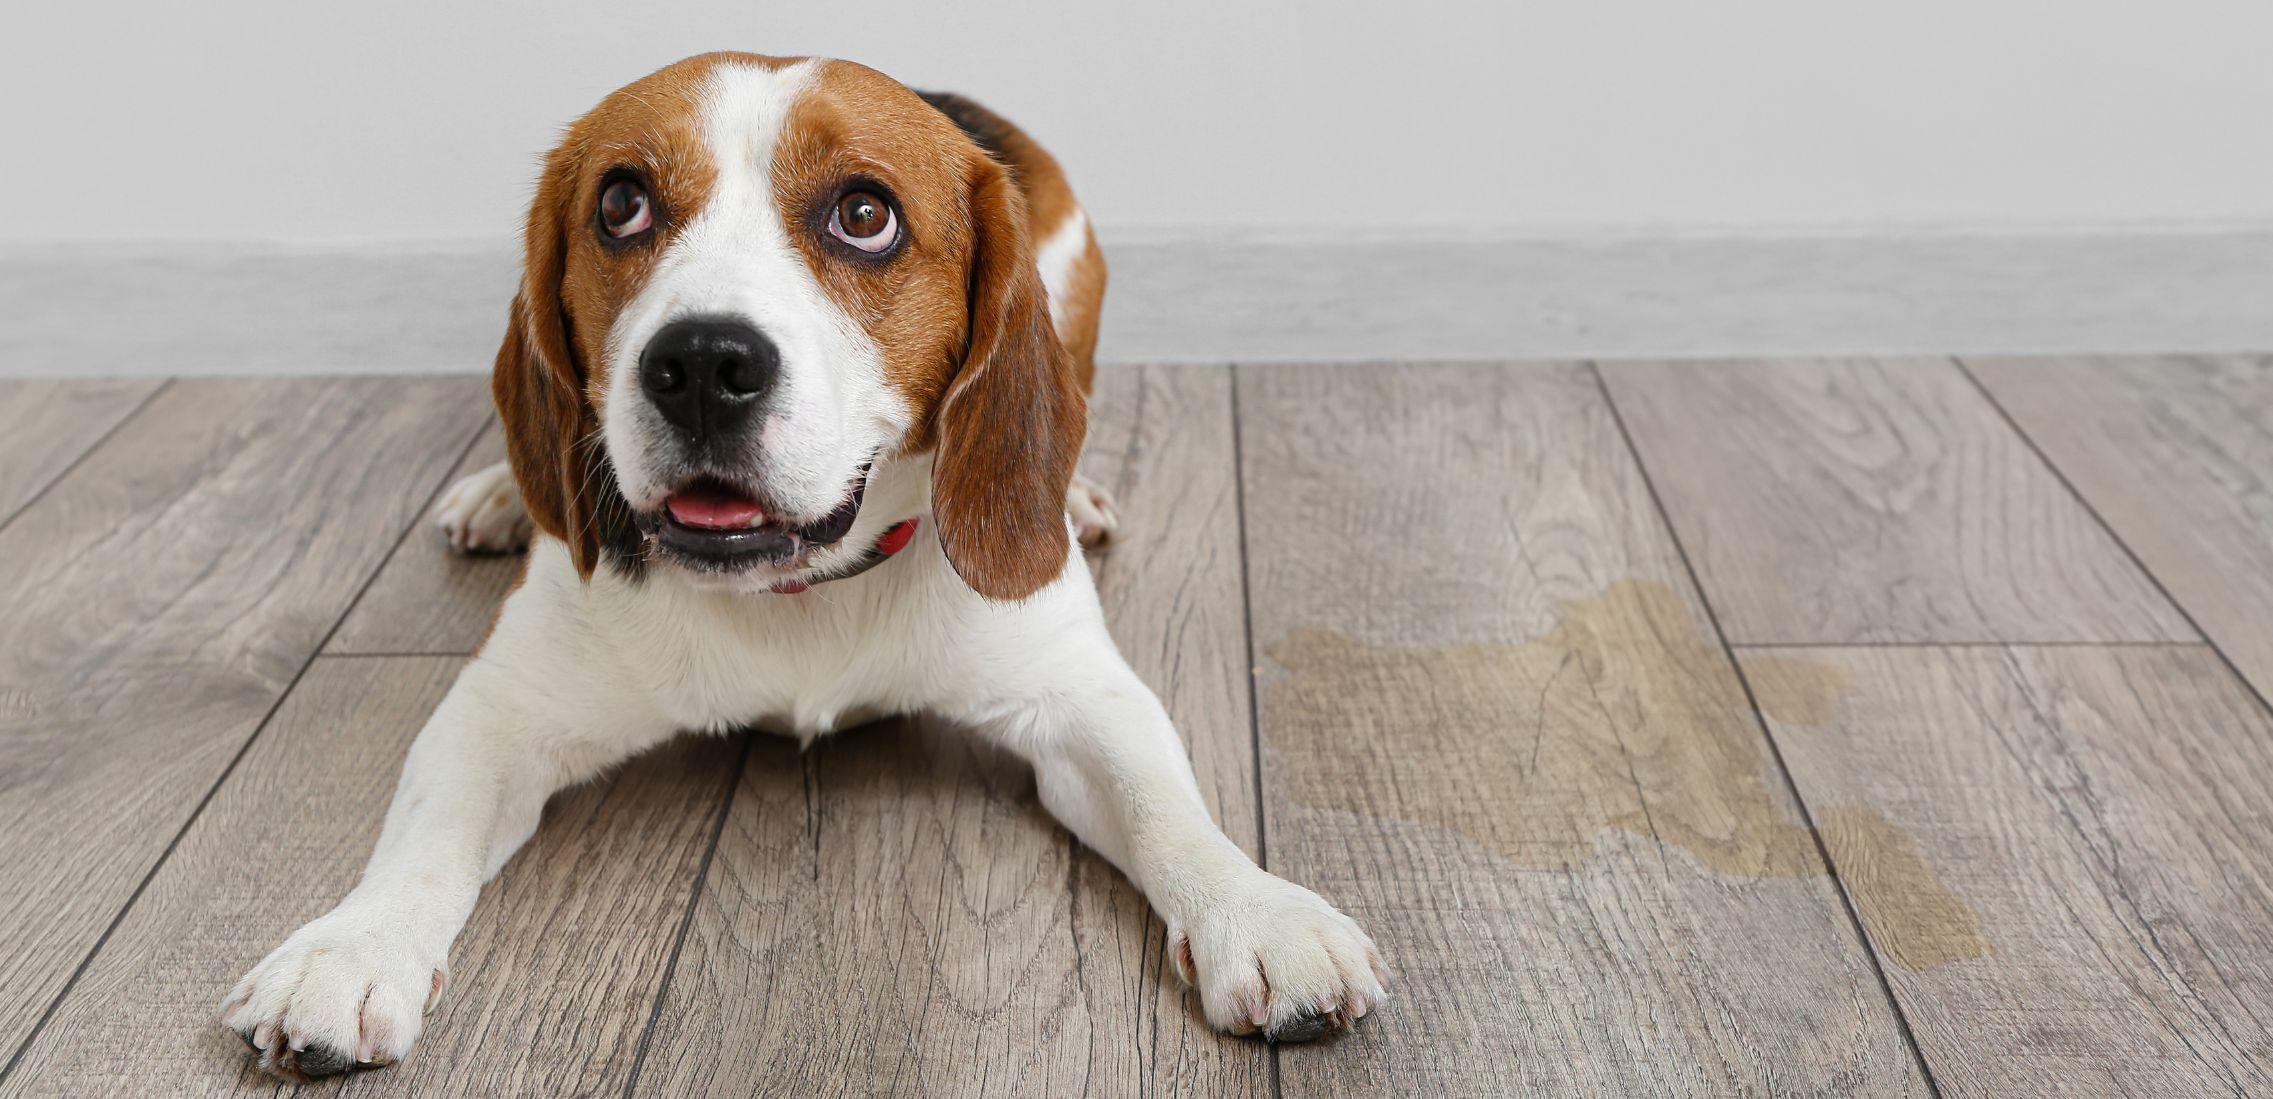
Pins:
x,y
237,120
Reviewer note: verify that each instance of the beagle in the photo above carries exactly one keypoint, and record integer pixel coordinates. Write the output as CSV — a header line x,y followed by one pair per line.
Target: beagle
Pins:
x,y
793,390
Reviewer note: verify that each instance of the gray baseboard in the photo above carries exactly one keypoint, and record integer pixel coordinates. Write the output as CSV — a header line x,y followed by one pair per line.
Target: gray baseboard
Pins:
x,y
199,309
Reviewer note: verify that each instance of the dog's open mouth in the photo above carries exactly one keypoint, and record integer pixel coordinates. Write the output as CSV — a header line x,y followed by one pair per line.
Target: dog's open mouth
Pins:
x,y
715,525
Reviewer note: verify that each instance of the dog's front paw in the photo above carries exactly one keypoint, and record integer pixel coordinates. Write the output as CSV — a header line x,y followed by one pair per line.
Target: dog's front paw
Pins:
x,y
483,513
1274,957
1095,516
342,993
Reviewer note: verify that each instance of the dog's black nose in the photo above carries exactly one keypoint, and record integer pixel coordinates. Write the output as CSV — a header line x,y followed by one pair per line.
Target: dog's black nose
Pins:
x,y
705,374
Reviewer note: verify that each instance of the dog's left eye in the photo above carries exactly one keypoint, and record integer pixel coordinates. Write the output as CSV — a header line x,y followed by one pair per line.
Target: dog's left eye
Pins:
x,y
624,209
865,221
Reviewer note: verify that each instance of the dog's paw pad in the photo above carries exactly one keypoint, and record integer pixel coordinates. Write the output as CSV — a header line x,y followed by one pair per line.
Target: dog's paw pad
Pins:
x,y
320,1060
1307,1026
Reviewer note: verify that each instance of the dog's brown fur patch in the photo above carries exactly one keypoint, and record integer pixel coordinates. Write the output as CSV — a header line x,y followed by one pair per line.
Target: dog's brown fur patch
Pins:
x,y
551,370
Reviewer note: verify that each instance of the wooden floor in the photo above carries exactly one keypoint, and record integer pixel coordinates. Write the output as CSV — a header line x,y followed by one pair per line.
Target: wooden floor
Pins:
x,y
1845,727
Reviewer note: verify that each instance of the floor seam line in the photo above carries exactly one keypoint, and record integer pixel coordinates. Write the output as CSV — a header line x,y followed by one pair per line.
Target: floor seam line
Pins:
x,y
2108,528
1247,613
1775,750
687,921
403,539
75,463
198,811
1254,665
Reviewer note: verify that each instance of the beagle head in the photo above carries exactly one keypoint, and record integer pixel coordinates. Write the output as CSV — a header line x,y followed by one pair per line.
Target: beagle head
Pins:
x,y
752,282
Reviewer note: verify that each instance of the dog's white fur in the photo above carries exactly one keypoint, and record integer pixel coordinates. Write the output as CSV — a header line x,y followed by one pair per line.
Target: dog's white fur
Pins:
x,y
579,674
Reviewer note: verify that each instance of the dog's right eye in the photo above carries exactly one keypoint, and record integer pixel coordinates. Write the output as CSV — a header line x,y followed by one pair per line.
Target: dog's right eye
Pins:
x,y
865,221
625,211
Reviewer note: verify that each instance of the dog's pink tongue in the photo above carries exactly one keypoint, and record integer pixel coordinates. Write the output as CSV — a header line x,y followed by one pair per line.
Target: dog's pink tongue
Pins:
x,y
713,509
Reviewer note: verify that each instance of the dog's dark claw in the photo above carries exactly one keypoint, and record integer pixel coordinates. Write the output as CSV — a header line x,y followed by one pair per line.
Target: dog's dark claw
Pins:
x,y
322,1060
1303,1028
246,1037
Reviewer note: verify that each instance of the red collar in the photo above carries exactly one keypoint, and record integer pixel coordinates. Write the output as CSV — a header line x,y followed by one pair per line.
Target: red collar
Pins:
x,y
896,538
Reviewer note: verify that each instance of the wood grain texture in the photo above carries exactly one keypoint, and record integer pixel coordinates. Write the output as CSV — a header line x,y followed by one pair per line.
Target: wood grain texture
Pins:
x,y
2101,813
893,913
47,425
159,601
428,599
550,986
1499,732
2177,455
1846,501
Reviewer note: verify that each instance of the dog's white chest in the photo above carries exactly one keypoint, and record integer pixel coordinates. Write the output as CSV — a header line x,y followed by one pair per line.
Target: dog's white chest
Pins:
x,y
904,637
806,664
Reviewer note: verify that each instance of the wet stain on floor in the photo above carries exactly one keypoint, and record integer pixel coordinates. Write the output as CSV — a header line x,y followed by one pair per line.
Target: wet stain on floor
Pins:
x,y
1626,716
1912,917
1796,692
1915,920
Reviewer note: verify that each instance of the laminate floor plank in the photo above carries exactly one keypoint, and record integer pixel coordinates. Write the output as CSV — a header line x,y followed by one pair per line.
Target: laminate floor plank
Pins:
x,y
1850,501
429,599
159,601
2062,855
2177,455
1499,731
47,425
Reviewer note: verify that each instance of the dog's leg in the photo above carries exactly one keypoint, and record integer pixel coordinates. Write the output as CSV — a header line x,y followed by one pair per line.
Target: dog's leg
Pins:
x,y
1266,954
350,989
483,513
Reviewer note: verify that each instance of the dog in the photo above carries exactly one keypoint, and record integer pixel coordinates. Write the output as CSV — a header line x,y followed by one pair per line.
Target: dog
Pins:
x,y
792,390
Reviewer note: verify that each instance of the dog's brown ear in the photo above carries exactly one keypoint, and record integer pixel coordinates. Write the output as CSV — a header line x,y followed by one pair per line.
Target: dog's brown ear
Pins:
x,y
1011,425
550,429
